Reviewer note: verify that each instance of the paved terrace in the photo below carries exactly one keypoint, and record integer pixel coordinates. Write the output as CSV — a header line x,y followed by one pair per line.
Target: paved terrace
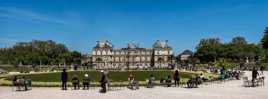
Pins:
x,y
227,90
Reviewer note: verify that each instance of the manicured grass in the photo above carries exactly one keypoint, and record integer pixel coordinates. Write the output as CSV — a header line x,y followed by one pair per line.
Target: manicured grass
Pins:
x,y
116,76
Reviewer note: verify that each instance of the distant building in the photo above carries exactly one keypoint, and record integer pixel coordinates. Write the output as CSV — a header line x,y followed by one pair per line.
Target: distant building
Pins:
x,y
185,55
105,56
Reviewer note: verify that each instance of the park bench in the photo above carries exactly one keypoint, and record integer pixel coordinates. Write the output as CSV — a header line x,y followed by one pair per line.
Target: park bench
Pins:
x,y
22,85
246,82
150,83
133,85
249,83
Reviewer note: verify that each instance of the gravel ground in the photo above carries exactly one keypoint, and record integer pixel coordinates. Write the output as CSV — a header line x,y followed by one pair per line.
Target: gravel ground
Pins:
x,y
224,90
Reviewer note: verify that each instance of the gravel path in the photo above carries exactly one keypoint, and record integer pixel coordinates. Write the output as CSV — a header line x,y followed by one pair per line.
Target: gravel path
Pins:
x,y
226,90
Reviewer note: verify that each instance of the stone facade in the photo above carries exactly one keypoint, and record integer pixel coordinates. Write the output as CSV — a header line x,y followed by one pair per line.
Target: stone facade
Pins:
x,y
105,56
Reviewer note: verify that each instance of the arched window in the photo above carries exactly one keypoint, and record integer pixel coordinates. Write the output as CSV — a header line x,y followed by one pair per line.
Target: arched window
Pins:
x,y
98,53
103,52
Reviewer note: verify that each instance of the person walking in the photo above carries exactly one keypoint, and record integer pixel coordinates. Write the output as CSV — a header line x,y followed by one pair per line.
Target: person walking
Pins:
x,y
176,78
64,79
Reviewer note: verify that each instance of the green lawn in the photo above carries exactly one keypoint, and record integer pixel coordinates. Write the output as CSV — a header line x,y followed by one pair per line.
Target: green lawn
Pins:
x,y
95,75
117,78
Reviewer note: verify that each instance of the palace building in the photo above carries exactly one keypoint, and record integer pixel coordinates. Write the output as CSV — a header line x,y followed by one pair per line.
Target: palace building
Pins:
x,y
105,56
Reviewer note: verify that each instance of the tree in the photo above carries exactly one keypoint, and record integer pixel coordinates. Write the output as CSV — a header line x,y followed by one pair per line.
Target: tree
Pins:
x,y
264,40
238,50
38,52
208,49
239,40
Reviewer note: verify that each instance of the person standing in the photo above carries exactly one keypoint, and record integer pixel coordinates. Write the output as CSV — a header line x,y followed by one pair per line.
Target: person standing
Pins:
x,y
254,75
176,78
64,79
262,69
15,82
103,82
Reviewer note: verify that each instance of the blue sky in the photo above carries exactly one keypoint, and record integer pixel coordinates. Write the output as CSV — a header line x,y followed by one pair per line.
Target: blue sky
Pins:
x,y
80,23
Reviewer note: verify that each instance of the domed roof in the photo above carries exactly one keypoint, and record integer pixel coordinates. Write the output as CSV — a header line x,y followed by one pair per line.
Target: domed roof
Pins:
x,y
104,44
132,45
161,44
187,52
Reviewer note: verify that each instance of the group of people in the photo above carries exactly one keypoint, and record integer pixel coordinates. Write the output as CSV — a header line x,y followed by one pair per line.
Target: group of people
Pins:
x,y
21,83
256,76
133,82
75,81
196,80
167,81
85,81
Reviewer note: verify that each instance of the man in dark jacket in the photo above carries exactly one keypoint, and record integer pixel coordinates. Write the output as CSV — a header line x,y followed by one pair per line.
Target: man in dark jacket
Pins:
x,y
64,79
254,75
103,82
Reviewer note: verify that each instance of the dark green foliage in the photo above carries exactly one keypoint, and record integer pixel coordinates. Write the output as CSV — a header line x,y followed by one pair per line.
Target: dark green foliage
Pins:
x,y
264,40
38,52
238,50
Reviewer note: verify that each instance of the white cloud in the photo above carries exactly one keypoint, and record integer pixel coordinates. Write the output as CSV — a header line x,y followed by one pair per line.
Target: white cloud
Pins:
x,y
11,12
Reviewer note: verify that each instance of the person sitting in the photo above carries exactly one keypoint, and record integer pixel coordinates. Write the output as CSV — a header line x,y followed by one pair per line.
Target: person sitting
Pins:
x,y
133,84
168,81
24,83
192,83
222,74
151,83
162,80
237,75
21,84
86,82
27,84
198,80
203,78
75,82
